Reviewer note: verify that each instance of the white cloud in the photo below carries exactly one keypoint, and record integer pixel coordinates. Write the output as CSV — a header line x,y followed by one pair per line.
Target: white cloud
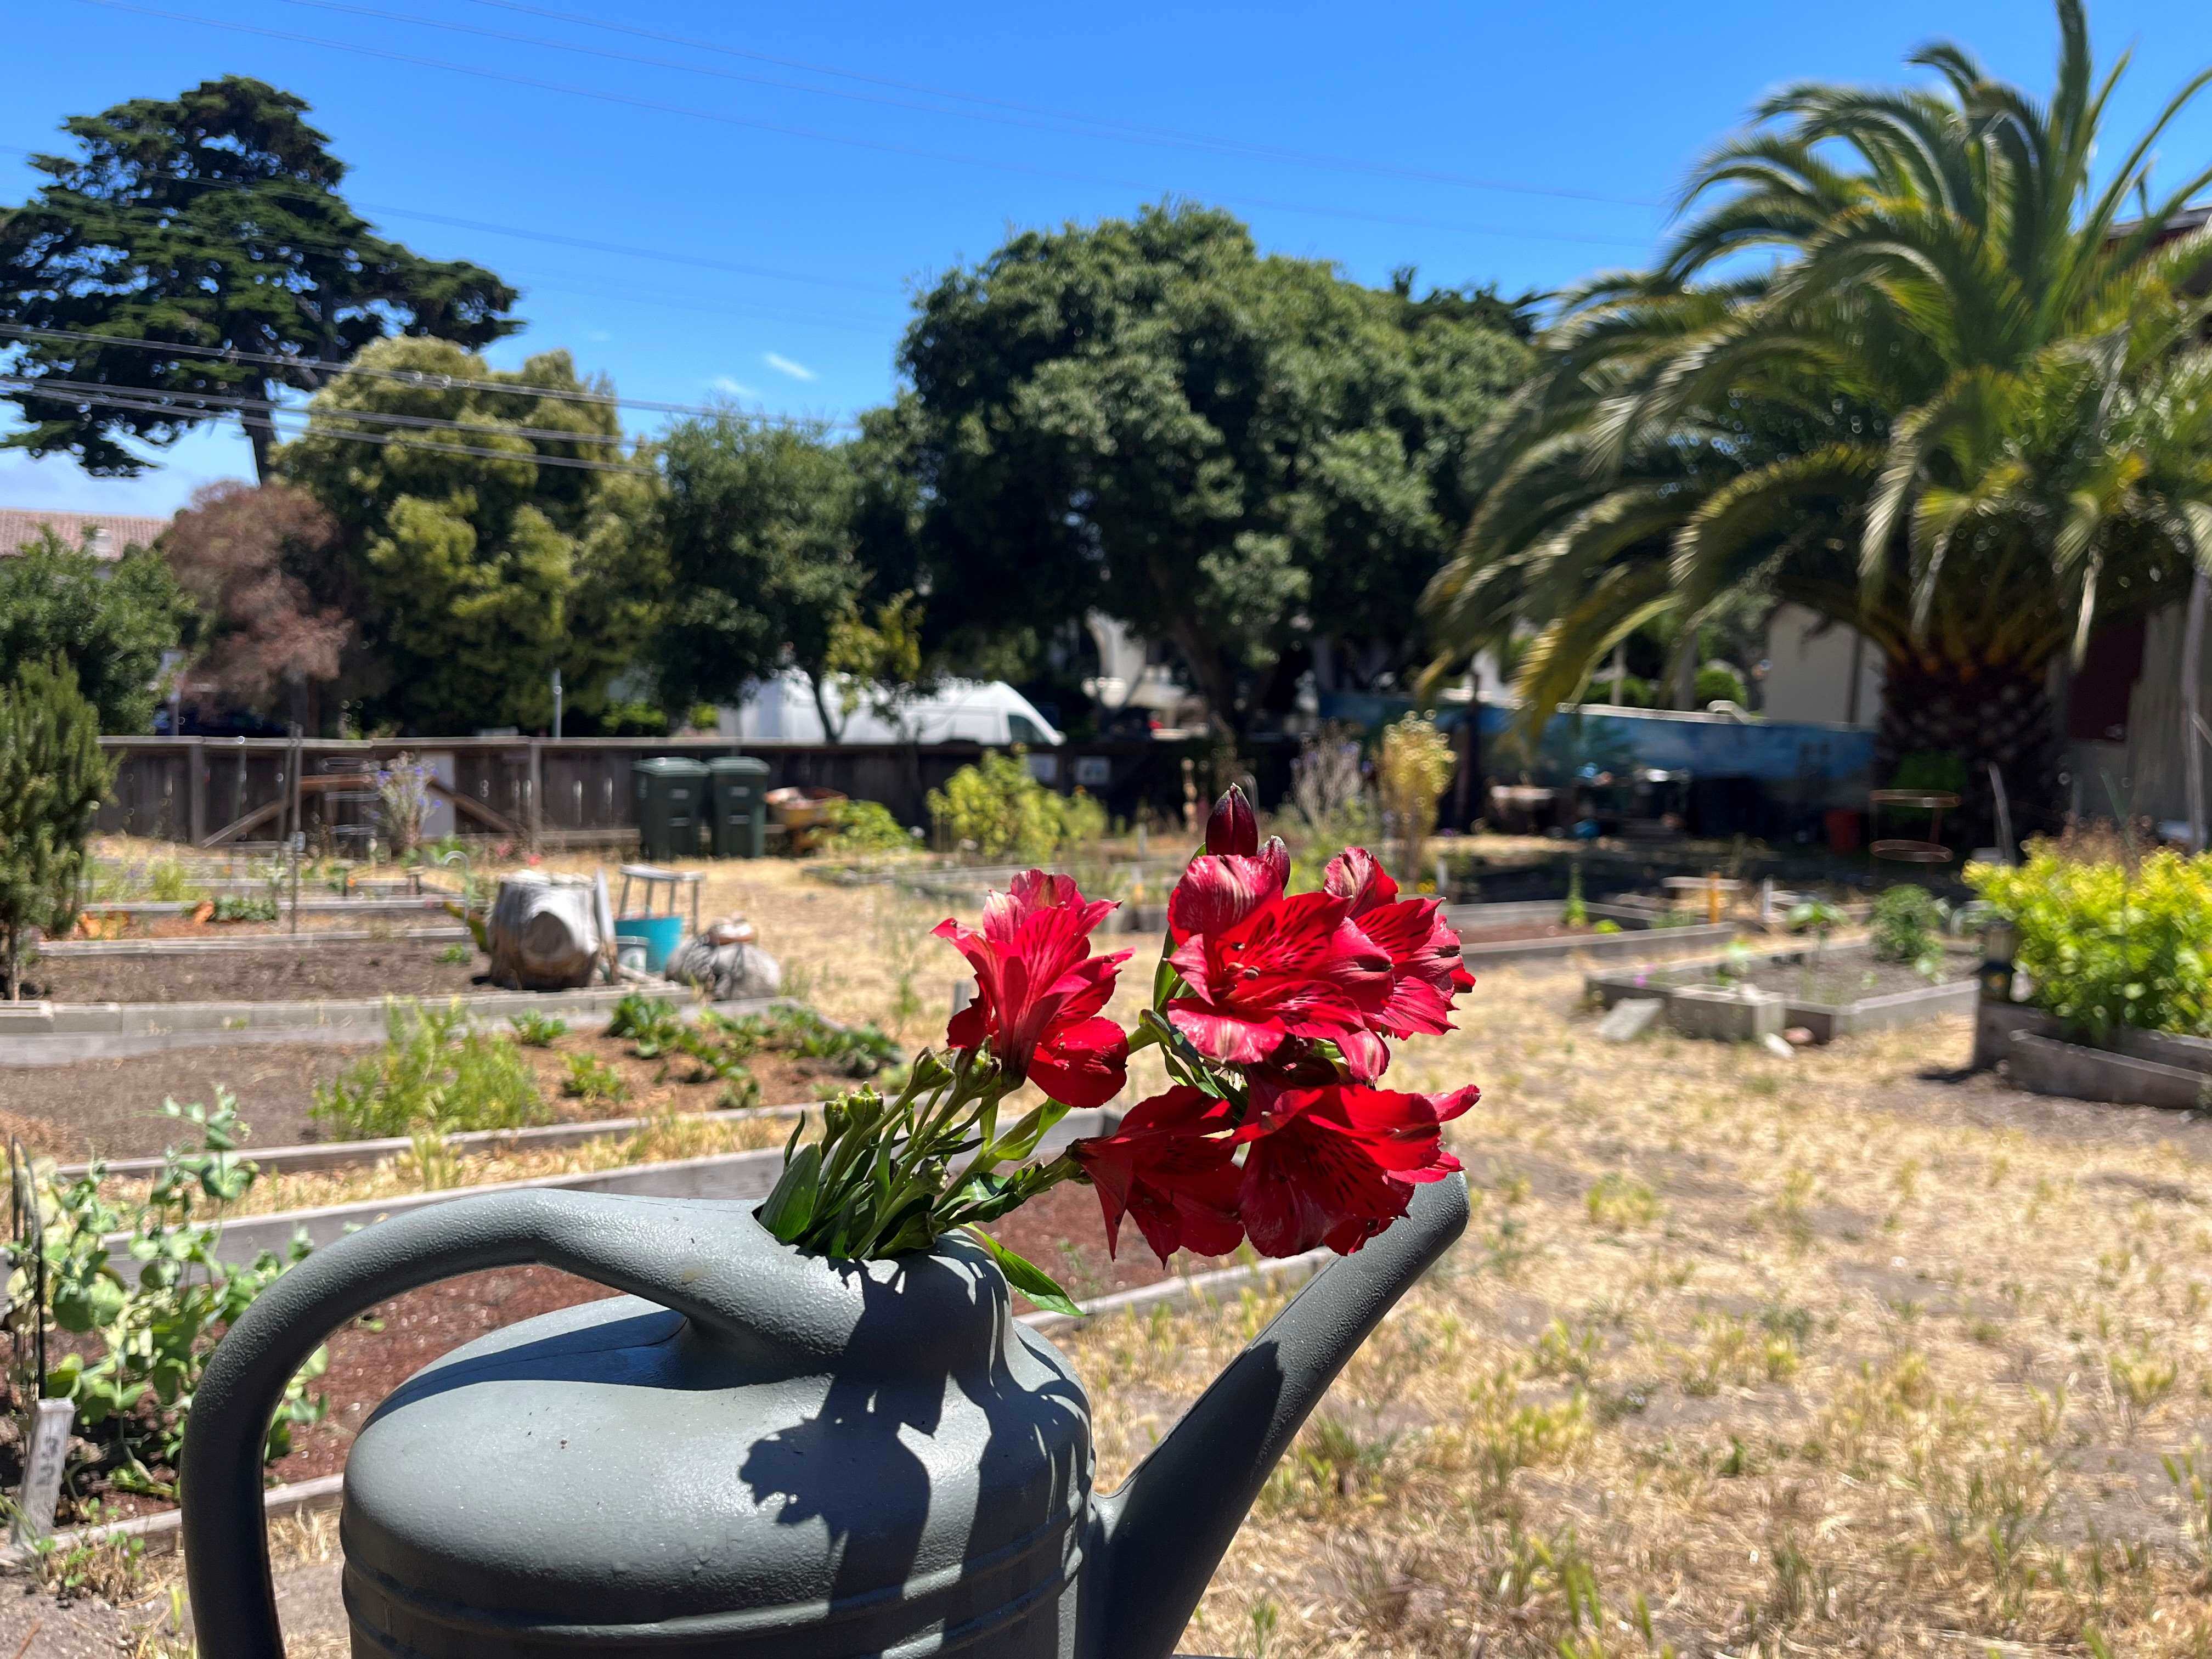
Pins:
x,y
735,388
597,336
783,365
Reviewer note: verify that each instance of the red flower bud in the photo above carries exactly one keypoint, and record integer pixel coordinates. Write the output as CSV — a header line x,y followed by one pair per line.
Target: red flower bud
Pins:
x,y
1231,826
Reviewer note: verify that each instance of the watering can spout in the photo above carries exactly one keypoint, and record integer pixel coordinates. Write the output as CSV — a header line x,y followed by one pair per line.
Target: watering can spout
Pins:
x,y
1158,1539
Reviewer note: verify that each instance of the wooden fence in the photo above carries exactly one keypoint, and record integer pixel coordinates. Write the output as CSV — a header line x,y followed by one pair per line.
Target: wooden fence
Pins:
x,y
570,792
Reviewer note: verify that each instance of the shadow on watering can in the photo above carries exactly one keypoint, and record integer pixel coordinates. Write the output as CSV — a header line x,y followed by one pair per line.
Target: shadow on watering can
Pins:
x,y
790,1458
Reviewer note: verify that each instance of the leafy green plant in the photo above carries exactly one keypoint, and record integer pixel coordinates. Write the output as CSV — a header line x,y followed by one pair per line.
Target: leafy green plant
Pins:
x,y
167,882
434,1071
455,953
536,1030
2108,945
1819,918
793,1029
996,810
651,1023
149,1311
1576,913
590,1078
244,906
1907,925
864,826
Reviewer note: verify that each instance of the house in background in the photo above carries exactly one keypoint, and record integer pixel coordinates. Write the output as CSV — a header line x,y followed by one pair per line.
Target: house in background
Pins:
x,y
109,535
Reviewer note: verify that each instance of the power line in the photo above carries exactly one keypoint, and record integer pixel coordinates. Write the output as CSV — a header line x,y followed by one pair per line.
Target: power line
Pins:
x,y
1030,117
403,377
735,267
225,400
721,118
1107,124
151,407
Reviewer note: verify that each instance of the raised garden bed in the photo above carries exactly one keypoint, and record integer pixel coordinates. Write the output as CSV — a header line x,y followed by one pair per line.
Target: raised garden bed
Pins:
x,y
111,1107
285,971
1536,930
1843,991
2140,1068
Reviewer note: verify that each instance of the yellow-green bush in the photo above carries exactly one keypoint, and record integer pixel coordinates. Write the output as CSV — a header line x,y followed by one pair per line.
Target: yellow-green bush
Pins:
x,y
2109,944
996,809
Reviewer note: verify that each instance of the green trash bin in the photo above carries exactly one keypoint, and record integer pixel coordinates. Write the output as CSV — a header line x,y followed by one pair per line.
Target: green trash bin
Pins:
x,y
737,785
670,795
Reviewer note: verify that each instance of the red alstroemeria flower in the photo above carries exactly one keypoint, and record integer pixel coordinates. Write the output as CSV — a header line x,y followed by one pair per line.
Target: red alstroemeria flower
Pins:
x,y
1260,969
1039,990
1336,1166
1232,827
1171,1165
1427,971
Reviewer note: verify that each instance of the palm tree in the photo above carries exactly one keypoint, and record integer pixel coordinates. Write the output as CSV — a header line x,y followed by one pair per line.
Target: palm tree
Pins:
x,y
1909,366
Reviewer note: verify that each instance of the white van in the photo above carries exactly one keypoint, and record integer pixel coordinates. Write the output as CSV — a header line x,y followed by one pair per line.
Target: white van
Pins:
x,y
782,710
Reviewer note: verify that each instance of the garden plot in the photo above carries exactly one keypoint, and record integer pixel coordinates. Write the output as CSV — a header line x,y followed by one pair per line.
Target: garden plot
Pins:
x,y
1544,929
573,1071
283,969
1829,992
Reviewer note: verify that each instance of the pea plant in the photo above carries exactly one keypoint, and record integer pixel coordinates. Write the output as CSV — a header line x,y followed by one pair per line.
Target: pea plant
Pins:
x,y
139,1290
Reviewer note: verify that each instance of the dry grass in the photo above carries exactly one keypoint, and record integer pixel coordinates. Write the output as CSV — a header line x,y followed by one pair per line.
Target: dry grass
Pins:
x,y
1740,1355
1743,1355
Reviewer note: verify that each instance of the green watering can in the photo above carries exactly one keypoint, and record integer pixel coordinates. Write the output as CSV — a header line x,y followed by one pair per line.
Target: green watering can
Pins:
x,y
755,1453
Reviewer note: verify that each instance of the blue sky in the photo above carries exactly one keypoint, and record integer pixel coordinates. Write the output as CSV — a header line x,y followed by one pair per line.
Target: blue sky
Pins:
x,y
788,212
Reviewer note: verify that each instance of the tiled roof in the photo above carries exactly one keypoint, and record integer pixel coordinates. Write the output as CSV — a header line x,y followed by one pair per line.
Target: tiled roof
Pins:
x,y
112,532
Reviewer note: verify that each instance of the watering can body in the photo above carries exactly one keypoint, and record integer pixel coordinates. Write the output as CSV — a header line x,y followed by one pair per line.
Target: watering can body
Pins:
x,y
754,1453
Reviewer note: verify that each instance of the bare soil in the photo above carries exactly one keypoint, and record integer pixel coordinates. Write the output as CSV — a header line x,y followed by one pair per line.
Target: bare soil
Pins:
x,y
284,973
1502,932
112,1108
1851,978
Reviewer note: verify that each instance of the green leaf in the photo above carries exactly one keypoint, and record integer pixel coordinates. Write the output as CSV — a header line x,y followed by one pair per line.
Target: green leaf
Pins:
x,y
1032,1281
1021,1140
788,1210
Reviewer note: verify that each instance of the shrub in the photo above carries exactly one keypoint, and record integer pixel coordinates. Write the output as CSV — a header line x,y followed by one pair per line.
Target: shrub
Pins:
x,y
403,800
865,826
52,779
244,906
999,810
1413,764
593,1079
2108,945
147,1322
1717,682
538,1030
433,1072
1907,926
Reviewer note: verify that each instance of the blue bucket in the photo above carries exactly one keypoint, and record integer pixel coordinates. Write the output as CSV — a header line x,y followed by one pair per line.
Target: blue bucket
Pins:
x,y
660,935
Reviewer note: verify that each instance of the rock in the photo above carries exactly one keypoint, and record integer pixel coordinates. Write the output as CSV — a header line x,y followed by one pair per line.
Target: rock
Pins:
x,y
1798,1038
1627,1020
1776,1046
728,972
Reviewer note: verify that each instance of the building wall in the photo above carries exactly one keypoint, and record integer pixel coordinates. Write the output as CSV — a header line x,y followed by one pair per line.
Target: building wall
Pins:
x,y
1808,674
2153,784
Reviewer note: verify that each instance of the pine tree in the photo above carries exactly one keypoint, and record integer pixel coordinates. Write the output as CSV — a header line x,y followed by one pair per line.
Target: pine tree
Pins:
x,y
52,779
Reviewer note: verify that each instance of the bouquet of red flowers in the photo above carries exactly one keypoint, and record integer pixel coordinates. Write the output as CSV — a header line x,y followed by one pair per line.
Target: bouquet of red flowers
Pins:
x,y
1273,1011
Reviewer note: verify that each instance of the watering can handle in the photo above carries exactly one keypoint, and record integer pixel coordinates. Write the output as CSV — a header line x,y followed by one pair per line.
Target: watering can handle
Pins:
x,y
623,1243
1168,1528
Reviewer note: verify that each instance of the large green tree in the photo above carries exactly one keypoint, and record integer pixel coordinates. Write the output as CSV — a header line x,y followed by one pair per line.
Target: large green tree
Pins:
x,y
1911,364
1243,454
109,622
209,220
487,553
760,520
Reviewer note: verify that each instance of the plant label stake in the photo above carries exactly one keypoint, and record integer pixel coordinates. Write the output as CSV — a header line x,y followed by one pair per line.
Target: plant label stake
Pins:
x,y
50,1425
